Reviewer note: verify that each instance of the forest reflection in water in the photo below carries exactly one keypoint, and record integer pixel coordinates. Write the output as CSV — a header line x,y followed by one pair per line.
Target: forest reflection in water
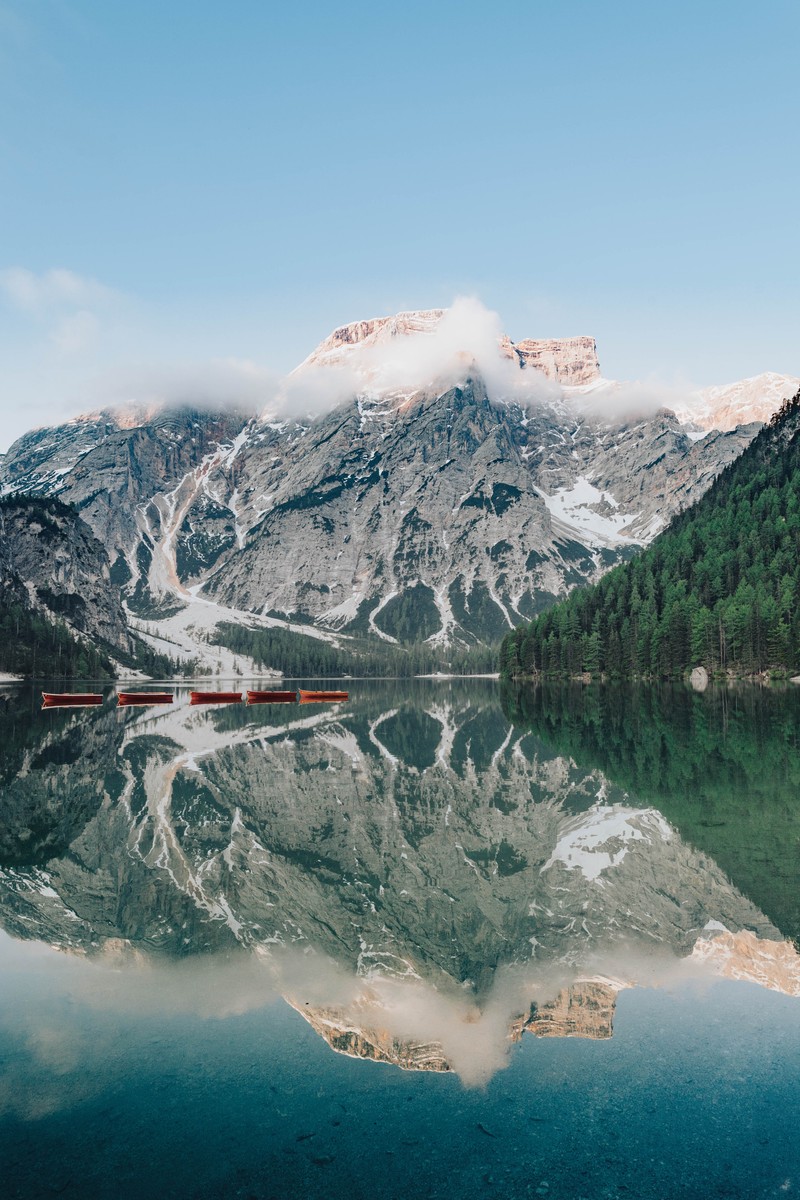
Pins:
x,y
723,767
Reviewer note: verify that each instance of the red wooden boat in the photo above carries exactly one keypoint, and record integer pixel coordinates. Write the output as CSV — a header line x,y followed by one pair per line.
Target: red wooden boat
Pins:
x,y
271,697
215,697
321,697
124,698
71,699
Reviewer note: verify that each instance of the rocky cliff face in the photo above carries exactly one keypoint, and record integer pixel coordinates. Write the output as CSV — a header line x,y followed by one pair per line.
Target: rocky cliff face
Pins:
x,y
348,1032
586,1009
51,562
476,514
448,511
335,349
570,361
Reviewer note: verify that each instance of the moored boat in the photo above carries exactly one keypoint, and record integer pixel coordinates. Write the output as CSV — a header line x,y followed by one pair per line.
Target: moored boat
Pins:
x,y
215,697
124,698
307,697
71,699
271,697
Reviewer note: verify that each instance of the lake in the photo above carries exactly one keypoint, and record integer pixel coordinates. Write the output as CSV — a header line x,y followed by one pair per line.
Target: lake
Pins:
x,y
451,938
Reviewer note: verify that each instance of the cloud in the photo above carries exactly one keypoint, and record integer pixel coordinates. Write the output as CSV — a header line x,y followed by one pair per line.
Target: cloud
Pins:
x,y
466,340
617,400
443,351
81,332
56,289
220,383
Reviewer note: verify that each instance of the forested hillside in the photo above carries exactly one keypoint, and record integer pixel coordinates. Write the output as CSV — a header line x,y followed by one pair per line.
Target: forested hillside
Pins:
x,y
720,588
295,655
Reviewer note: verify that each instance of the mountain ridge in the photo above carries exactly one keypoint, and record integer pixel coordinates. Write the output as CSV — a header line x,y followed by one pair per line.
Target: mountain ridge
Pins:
x,y
436,512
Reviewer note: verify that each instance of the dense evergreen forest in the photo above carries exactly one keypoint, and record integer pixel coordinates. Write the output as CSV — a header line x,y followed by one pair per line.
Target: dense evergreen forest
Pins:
x,y
297,655
723,767
32,645
719,588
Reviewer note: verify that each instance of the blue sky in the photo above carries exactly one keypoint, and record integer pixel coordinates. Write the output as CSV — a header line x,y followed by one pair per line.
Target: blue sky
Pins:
x,y
232,181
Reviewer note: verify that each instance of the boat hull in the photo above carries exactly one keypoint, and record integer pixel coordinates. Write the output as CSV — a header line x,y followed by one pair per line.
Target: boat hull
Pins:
x,y
215,697
272,697
71,699
126,698
308,697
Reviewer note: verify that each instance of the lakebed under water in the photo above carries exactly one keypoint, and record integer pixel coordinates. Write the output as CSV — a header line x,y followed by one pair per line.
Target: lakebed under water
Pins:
x,y
448,939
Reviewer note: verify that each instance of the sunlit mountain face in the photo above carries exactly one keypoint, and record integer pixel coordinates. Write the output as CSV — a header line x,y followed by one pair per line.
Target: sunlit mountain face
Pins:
x,y
426,872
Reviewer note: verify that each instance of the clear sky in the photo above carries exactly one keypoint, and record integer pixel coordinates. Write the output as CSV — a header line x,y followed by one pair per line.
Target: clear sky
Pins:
x,y
185,180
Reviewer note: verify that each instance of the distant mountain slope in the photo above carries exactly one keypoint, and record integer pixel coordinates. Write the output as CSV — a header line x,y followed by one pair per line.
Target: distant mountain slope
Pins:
x,y
459,513
720,588
732,404
61,614
57,605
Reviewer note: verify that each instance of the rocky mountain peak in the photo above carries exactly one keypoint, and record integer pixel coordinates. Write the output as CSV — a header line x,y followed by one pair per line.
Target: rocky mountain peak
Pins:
x,y
375,331
571,361
731,404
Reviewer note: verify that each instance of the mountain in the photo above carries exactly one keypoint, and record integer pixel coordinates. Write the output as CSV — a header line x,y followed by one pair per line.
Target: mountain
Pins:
x,y
732,404
58,607
452,484
585,1010
720,589
569,361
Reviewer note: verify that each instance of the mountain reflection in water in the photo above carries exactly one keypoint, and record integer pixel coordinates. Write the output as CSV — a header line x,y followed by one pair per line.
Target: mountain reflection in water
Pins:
x,y
424,874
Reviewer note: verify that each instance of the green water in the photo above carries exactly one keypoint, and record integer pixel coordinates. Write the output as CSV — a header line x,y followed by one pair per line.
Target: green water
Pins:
x,y
445,940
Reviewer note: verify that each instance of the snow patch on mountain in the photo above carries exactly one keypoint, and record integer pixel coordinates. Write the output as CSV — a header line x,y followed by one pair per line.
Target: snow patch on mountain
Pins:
x,y
584,510
599,839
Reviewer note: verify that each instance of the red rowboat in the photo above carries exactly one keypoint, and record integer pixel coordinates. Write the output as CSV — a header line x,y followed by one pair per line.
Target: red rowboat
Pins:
x,y
70,699
320,697
271,697
215,697
124,698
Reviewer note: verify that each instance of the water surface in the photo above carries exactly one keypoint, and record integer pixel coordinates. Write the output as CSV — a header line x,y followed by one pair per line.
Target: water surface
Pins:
x,y
448,939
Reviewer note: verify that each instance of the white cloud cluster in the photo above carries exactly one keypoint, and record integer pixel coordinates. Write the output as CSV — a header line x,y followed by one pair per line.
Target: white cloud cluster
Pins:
x,y
467,340
75,334
220,383
616,400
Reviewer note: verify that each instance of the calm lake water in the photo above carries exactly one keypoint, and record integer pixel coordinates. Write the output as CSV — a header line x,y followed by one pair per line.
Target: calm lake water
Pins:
x,y
445,940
